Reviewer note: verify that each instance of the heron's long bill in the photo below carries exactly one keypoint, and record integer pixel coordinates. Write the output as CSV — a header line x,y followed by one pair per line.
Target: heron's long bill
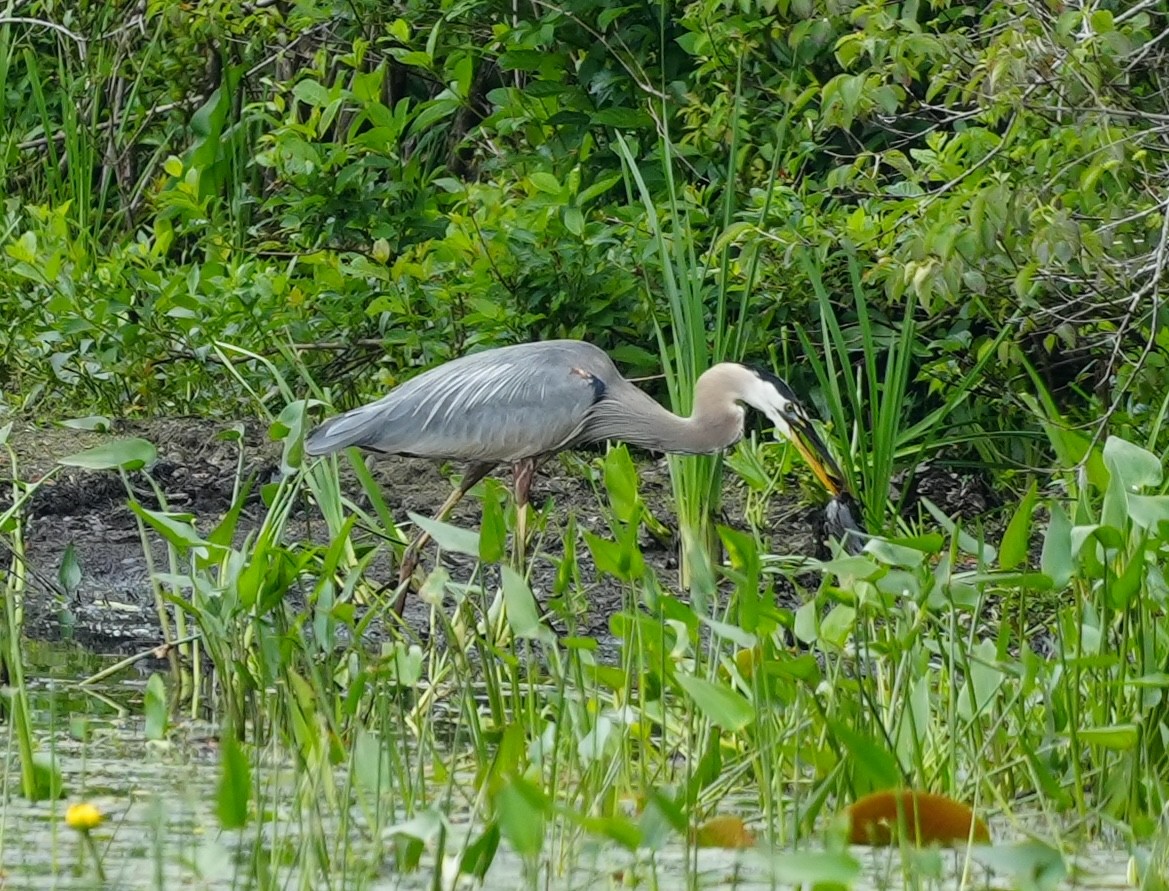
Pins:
x,y
809,444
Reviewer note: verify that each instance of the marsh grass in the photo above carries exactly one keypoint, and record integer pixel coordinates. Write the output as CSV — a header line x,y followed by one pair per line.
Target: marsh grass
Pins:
x,y
872,387
493,740
706,310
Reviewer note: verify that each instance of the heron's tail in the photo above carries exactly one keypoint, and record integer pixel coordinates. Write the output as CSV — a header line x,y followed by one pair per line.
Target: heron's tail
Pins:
x,y
354,428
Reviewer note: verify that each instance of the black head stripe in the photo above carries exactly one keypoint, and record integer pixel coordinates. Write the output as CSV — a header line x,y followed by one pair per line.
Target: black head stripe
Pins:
x,y
779,383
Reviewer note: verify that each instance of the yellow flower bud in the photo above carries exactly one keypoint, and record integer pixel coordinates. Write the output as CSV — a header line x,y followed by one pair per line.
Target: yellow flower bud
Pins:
x,y
83,817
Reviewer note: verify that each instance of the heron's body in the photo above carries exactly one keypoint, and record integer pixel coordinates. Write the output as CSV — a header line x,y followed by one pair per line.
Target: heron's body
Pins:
x,y
520,404
529,400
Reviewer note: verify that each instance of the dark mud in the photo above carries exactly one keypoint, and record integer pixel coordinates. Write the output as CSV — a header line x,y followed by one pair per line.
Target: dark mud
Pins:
x,y
111,608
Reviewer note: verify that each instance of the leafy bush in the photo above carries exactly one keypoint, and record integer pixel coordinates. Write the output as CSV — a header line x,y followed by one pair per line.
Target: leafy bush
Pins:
x,y
336,176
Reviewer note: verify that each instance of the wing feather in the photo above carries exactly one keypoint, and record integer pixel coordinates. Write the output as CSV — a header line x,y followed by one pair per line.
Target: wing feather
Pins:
x,y
498,406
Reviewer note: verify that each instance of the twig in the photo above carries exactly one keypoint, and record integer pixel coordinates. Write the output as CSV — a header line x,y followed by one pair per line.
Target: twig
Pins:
x,y
59,136
1151,287
158,652
60,29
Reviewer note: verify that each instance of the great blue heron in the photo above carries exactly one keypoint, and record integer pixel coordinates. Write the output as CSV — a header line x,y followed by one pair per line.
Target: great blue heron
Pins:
x,y
520,404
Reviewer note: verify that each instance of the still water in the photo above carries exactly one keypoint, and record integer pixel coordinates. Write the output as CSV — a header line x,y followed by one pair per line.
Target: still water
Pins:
x,y
162,830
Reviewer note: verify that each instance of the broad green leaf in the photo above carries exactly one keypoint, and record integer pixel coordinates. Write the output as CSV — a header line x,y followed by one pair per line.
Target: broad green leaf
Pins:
x,y
815,869
69,575
124,454
1148,511
235,784
156,708
545,182
848,569
620,559
718,702
521,811
873,765
893,555
492,528
175,528
523,617
1119,737
425,826
623,118
448,537
1056,559
836,628
573,220
621,483
1126,585
371,765
404,664
966,542
1016,542
733,633
1031,865
620,829
89,422
47,781
981,683
478,856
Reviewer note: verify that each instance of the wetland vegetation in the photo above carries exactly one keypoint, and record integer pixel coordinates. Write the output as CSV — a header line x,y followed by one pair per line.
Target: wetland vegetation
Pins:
x,y
944,225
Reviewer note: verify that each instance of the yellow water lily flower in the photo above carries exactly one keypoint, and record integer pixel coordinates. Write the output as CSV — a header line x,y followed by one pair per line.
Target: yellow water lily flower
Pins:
x,y
83,817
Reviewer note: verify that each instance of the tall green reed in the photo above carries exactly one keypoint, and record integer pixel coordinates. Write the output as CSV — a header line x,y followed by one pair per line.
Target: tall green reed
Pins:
x,y
707,308
867,378
36,780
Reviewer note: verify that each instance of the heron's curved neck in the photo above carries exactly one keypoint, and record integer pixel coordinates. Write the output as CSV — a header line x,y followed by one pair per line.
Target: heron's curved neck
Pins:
x,y
715,424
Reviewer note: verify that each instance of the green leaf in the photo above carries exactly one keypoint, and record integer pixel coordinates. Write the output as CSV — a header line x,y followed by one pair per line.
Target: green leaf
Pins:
x,y
1148,511
816,869
492,529
235,784
545,182
874,766
521,811
448,537
618,559
404,664
523,617
621,483
1056,559
371,768
623,118
1125,586
478,856
89,422
47,780
69,575
155,707
1031,865
718,703
175,528
124,454
573,220
1119,737
1016,542
892,554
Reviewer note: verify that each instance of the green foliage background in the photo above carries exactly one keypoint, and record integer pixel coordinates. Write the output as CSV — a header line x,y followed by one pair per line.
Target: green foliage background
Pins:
x,y
366,183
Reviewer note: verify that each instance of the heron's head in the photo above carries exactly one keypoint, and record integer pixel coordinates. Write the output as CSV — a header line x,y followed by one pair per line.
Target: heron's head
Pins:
x,y
772,396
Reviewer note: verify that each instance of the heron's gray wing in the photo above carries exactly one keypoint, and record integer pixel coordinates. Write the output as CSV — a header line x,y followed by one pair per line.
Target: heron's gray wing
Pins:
x,y
496,406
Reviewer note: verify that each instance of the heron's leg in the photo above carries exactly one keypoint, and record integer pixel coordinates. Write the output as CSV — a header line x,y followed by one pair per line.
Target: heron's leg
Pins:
x,y
524,472
474,472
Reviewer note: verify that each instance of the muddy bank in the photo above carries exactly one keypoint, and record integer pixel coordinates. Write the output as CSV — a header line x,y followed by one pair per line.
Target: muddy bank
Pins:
x,y
108,606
